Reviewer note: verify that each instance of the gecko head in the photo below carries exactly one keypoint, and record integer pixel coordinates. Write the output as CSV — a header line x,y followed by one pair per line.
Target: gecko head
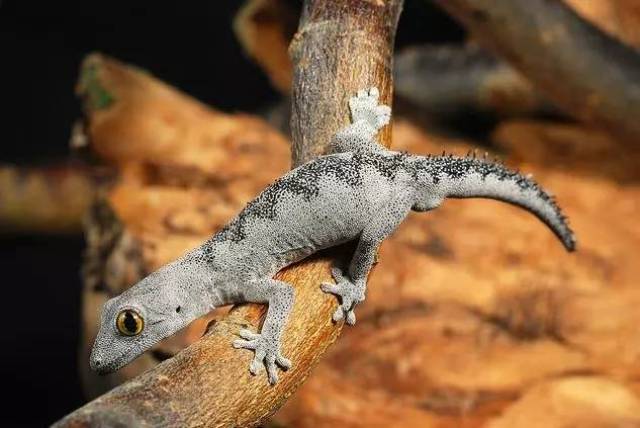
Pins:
x,y
133,322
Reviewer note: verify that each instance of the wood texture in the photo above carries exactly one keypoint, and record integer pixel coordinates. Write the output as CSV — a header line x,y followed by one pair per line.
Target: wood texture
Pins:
x,y
588,73
208,384
44,200
340,47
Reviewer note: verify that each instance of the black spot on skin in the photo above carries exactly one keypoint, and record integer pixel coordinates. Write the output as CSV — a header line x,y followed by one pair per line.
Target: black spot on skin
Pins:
x,y
455,168
303,181
178,309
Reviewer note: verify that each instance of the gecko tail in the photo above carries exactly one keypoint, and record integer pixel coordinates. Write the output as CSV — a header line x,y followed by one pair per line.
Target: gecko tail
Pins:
x,y
470,177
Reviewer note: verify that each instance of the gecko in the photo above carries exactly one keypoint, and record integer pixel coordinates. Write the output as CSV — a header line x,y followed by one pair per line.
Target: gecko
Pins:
x,y
361,192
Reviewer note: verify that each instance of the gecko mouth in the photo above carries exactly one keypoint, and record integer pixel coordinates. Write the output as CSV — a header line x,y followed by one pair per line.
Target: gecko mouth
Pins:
x,y
104,366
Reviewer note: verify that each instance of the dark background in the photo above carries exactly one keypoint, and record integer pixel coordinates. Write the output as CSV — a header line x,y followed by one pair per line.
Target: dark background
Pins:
x,y
41,46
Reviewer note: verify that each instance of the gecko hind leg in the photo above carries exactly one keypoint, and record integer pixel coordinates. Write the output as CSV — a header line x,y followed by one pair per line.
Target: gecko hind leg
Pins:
x,y
266,344
350,286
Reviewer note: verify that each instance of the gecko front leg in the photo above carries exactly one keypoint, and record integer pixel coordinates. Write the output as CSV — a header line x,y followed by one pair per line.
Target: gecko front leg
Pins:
x,y
266,344
367,118
364,108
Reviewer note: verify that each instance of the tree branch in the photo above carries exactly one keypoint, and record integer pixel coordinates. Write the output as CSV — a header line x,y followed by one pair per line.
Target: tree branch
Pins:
x,y
340,47
43,200
451,79
588,73
264,29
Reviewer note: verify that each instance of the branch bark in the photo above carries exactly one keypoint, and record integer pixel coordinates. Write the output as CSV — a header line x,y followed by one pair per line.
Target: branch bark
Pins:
x,y
588,73
340,47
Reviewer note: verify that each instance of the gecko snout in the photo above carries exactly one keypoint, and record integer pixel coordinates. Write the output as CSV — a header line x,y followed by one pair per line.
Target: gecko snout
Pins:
x,y
97,364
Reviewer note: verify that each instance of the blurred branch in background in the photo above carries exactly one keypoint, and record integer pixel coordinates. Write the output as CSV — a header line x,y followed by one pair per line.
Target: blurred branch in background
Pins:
x,y
591,75
618,18
450,80
181,167
564,59
264,28
44,200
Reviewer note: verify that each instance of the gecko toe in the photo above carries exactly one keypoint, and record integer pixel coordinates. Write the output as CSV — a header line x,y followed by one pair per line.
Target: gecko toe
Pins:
x,y
284,363
348,293
267,354
256,364
351,317
330,288
272,373
337,274
248,334
245,344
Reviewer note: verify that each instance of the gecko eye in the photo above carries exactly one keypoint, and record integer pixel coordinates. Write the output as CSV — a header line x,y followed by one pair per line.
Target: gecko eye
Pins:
x,y
129,323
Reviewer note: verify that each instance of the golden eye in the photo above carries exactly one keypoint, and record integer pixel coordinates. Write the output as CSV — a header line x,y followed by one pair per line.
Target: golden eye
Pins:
x,y
129,323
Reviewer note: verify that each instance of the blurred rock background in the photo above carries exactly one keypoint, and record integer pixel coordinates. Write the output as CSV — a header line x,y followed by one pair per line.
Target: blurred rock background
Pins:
x,y
475,316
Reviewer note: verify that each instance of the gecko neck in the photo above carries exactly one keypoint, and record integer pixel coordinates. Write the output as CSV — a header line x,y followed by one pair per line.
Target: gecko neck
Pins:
x,y
195,283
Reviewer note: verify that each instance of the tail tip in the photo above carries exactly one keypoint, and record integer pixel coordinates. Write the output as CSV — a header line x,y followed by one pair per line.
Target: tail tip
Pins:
x,y
570,243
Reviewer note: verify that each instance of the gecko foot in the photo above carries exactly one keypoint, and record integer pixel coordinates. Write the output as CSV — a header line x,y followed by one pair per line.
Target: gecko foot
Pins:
x,y
364,107
267,354
350,295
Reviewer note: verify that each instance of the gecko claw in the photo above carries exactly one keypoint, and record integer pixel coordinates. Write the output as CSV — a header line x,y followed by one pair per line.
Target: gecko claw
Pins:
x,y
338,315
350,296
351,317
267,354
284,363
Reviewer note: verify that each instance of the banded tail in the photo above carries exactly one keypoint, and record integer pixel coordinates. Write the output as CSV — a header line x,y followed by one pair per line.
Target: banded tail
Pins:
x,y
469,177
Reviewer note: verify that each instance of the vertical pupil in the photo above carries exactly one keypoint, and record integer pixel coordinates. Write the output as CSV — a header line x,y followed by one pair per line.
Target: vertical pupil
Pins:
x,y
130,322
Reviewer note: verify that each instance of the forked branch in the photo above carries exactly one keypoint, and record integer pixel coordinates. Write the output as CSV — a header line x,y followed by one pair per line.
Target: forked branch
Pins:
x,y
340,47
588,73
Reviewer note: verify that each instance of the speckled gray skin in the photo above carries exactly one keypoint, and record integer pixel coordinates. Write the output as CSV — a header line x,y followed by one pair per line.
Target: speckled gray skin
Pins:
x,y
363,193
